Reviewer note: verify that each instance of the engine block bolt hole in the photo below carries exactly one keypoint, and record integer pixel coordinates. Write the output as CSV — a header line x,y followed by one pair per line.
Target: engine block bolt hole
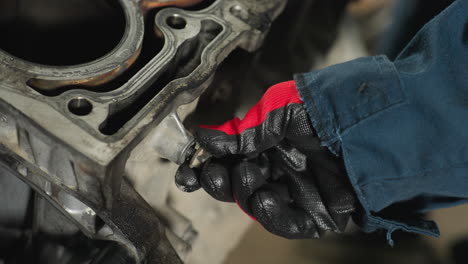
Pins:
x,y
80,106
176,22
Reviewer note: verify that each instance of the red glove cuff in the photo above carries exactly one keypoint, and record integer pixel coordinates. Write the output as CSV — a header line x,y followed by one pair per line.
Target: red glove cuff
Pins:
x,y
277,96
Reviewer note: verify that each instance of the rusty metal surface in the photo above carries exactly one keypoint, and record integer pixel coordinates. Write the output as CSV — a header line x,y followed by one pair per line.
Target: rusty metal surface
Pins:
x,y
107,69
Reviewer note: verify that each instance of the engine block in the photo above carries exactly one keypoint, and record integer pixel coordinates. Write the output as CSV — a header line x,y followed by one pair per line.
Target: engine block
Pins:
x,y
68,127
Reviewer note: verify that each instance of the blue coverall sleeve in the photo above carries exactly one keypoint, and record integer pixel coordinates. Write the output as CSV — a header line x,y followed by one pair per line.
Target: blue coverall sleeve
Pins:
x,y
402,126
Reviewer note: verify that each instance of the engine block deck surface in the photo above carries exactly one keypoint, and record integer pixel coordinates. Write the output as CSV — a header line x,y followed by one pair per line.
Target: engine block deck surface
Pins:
x,y
69,126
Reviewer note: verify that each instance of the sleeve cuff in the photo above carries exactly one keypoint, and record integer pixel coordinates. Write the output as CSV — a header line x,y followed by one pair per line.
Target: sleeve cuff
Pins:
x,y
338,97
342,98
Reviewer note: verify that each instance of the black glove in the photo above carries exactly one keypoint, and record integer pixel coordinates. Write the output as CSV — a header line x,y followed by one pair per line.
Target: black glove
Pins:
x,y
271,163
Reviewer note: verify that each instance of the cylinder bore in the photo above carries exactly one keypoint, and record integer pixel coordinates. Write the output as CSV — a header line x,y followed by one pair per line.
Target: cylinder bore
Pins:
x,y
60,33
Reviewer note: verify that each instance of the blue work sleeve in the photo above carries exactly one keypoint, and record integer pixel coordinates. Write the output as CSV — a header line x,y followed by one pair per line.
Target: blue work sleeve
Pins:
x,y
402,126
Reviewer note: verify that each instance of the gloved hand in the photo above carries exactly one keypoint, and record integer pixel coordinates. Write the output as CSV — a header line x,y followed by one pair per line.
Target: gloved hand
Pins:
x,y
271,163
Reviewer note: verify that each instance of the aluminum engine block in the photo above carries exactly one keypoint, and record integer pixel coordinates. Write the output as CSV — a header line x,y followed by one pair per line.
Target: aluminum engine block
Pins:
x,y
68,131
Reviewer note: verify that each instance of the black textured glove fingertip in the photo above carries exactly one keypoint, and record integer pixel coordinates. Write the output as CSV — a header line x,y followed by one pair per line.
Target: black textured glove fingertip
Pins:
x,y
186,179
270,209
215,181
